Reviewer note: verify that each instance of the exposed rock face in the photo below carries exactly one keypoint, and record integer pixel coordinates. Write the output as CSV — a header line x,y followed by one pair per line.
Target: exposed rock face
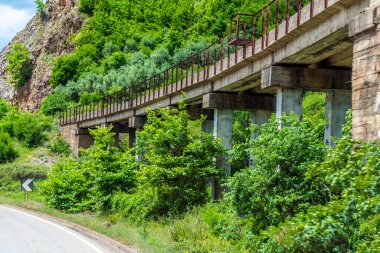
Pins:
x,y
45,36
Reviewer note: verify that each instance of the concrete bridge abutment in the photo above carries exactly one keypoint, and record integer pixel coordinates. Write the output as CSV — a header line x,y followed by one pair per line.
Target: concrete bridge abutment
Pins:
x,y
365,32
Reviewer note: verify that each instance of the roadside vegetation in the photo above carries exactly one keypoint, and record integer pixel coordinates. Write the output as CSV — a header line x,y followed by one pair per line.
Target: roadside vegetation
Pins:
x,y
299,196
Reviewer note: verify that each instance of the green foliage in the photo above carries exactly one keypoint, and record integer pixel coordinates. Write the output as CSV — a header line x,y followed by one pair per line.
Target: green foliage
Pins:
x,y
19,170
277,188
89,182
314,110
58,146
29,128
53,104
7,150
40,5
176,168
67,187
159,33
4,108
19,66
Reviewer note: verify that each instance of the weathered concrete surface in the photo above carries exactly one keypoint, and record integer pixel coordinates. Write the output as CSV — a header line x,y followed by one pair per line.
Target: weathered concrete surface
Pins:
x,y
338,102
223,119
289,100
259,117
365,30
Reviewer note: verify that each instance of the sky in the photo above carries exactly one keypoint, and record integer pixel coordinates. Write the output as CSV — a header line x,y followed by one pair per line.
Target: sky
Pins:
x,y
14,15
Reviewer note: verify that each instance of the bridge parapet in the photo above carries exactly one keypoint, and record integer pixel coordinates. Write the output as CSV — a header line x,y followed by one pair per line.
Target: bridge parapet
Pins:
x,y
270,28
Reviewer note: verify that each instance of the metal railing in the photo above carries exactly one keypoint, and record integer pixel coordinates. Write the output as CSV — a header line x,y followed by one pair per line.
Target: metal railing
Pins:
x,y
246,30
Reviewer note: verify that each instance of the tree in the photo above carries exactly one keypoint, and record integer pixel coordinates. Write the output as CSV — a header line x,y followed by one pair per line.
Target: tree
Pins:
x,y
19,66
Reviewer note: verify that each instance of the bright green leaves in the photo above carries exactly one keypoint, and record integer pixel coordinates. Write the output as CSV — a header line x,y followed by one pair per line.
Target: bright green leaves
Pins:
x,y
176,168
90,182
19,66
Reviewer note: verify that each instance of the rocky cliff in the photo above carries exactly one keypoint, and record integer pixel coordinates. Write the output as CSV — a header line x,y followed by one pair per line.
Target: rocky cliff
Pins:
x,y
46,36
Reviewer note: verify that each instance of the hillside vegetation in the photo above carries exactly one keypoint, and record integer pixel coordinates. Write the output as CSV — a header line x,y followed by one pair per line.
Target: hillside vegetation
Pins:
x,y
300,196
127,41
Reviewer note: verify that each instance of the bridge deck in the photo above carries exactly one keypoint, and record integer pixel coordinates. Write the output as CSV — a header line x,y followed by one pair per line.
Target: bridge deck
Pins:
x,y
317,33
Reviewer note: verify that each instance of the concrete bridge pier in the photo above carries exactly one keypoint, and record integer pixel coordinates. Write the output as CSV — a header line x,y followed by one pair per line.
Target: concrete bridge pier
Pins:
x,y
338,102
135,124
289,100
223,105
365,32
259,117
83,140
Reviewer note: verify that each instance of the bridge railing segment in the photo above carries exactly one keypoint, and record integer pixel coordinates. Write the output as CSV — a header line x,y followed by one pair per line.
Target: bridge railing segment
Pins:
x,y
245,32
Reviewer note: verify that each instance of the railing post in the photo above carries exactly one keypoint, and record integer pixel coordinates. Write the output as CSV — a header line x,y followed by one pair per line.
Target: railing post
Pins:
x,y
215,58
267,29
221,54
262,29
277,13
287,16
192,69
311,8
299,13
199,64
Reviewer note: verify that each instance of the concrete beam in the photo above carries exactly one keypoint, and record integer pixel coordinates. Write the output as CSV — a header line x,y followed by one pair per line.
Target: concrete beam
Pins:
x,y
307,79
136,122
238,102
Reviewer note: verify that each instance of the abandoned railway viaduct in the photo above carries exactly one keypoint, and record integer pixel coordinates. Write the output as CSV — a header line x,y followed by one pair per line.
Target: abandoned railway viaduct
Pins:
x,y
265,64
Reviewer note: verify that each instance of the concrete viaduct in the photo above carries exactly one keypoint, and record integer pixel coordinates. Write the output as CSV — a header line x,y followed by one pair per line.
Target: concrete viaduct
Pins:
x,y
264,65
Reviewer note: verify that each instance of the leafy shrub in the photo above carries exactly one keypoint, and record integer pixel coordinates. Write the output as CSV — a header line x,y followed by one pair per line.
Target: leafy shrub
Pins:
x,y
28,128
40,5
277,188
7,151
67,187
89,183
58,146
19,66
54,103
4,108
130,46
176,168
19,170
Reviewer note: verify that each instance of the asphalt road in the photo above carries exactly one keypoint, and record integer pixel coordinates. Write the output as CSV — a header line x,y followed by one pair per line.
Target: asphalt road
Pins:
x,y
24,232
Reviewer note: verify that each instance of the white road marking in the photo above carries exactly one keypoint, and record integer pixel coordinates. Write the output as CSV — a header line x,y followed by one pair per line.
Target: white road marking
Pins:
x,y
59,227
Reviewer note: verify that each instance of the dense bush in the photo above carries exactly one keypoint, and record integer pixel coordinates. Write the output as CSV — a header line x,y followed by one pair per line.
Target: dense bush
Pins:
x,y
7,150
53,104
88,183
176,168
58,146
29,128
277,187
19,66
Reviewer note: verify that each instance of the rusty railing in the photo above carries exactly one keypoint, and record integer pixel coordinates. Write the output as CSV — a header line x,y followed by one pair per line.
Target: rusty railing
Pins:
x,y
246,30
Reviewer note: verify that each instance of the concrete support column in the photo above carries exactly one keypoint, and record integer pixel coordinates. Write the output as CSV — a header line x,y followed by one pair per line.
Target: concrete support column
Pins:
x,y
289,100
338,102
223,120
259,117
132,137
84,140
208,126
365,31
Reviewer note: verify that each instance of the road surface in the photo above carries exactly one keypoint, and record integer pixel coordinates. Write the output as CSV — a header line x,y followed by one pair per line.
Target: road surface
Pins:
x,y
25,232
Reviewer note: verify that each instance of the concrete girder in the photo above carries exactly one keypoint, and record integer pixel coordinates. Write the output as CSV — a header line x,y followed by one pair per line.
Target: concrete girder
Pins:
x,y
238,102
307,79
